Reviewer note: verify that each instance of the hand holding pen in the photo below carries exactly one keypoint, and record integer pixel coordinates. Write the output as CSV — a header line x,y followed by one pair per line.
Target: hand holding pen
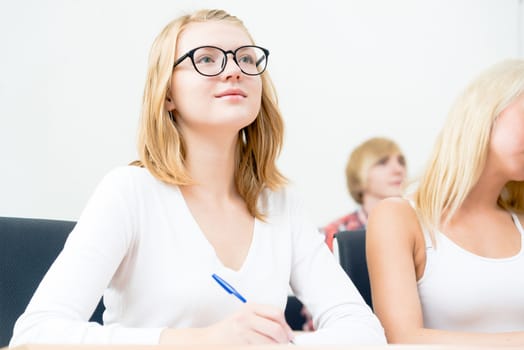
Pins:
x,y
255,323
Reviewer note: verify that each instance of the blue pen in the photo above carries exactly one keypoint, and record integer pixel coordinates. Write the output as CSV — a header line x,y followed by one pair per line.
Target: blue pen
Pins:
x,y
228,288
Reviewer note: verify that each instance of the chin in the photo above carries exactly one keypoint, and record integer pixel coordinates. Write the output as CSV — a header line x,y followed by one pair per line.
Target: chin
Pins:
x,y
396,193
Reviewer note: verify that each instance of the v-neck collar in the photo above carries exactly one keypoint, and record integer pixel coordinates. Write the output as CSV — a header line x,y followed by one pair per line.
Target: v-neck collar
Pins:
x,y
205,242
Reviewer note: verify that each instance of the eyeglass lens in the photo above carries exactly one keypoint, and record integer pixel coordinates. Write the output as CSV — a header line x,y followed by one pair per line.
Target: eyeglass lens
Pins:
x,y
211,60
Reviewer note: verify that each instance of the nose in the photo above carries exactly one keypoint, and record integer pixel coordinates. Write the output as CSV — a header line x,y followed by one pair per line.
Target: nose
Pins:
x,y
397,167
231,70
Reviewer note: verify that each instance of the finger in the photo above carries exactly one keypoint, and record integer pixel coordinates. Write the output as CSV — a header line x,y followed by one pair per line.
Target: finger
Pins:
x,y
267,311
254,337
275,314
269,328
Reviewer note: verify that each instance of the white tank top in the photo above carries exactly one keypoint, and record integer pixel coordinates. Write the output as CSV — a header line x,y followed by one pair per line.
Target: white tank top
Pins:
x,y
461,291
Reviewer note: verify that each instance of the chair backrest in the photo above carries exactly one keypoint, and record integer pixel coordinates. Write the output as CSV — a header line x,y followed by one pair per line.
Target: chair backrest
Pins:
x,y
293,313
350,246
28,247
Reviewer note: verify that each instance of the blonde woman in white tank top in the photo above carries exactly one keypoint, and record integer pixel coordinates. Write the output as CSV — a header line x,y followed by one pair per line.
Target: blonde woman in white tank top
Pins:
x,y
447,265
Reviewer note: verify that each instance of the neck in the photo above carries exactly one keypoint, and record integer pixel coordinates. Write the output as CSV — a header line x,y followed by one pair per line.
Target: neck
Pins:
x,y
211,163
483,196
369,202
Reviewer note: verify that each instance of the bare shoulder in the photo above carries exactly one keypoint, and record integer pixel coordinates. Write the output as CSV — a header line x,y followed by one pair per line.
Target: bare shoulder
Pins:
x,y
394,210
393,217
394,203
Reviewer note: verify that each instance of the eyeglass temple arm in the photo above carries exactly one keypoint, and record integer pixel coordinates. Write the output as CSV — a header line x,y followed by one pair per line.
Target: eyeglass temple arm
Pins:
x,y
264,57
260,60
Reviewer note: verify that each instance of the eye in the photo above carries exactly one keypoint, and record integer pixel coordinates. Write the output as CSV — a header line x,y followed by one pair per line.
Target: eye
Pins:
x,y
401,160
382,161
204,59
207,55
246,59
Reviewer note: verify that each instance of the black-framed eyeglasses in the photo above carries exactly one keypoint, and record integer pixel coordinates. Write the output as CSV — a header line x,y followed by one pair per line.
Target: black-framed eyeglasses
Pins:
x,y
211,60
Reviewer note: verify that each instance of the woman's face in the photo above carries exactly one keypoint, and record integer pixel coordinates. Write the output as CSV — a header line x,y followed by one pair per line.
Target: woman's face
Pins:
x,y
226,102
385,178
506,148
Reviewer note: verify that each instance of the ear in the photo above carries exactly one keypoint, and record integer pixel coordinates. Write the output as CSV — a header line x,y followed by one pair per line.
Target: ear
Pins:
x,y
169,104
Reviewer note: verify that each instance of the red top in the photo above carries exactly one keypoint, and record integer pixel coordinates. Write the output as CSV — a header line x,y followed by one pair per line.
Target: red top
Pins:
x,y
353,221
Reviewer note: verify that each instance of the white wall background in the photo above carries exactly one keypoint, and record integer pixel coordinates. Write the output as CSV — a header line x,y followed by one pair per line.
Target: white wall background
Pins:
x,y
72,73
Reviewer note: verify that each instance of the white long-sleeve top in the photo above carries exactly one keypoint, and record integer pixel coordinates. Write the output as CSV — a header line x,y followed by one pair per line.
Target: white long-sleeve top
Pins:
x,y
137,244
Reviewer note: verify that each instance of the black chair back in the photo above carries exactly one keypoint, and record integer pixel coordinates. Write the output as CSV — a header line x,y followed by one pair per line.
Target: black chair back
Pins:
x,y
28,247
352,255
293,313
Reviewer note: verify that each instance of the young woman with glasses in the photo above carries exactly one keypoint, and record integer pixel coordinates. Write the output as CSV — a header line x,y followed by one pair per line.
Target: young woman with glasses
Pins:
x,y
205,198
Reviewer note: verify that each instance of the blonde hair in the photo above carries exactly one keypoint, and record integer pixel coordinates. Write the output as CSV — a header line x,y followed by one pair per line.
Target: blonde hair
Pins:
x,y
460,152
161,146
362,159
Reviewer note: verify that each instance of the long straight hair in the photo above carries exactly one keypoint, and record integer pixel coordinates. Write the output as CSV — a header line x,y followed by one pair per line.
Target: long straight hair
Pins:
x,y
161,146
459,156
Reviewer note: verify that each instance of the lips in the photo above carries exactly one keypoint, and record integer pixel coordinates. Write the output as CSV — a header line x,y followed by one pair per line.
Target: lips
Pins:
x,y
231,92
